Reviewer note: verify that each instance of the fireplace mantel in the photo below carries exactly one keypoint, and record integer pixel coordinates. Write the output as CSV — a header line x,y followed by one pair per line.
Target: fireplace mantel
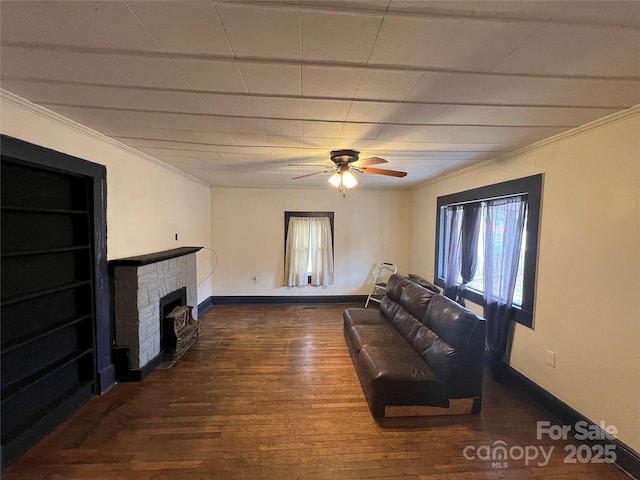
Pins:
x,y
153,257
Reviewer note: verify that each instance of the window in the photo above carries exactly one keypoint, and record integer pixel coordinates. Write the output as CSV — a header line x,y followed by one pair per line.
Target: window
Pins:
x,y
308,249
450,218
477,283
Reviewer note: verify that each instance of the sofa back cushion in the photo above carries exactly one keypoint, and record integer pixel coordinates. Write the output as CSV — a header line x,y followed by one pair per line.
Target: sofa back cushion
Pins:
x,y
440,356
415,300
395,286
452,341
404,305
456,325
406,324
390,303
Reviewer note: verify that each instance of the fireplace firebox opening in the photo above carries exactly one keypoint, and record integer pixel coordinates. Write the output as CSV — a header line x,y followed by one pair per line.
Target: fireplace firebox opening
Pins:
x,y
168,303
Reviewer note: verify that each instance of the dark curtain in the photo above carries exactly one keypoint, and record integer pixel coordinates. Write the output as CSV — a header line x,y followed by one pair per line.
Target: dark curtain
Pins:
x,y
463,229
470,231
504,227
453,242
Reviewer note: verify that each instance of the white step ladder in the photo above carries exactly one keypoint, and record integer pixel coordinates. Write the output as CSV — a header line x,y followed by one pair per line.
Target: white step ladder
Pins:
x,y
384,271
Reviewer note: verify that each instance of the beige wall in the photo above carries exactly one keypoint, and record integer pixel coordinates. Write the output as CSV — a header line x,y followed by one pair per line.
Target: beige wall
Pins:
x,y
248,237
147,204
587,307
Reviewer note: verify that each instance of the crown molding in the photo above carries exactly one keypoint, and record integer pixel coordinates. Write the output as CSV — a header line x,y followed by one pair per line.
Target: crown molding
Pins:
x,y
357,65
574,132
16,100
399,12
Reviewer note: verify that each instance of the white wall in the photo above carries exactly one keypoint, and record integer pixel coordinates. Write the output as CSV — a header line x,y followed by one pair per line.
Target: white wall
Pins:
x,y
587,305
147,204
248,237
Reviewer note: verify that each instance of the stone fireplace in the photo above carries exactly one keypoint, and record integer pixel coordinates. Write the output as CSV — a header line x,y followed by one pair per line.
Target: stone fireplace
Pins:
x,y
139,285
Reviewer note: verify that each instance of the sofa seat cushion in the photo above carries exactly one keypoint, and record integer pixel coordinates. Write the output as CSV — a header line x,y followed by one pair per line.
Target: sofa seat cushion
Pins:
x,y
362,316
385,334
401,376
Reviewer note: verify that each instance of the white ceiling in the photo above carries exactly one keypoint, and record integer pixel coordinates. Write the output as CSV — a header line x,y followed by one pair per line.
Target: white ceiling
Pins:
x,y
244,93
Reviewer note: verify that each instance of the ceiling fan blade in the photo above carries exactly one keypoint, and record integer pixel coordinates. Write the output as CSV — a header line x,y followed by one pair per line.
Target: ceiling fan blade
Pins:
x,y
316,165
381,171
369,161
311,174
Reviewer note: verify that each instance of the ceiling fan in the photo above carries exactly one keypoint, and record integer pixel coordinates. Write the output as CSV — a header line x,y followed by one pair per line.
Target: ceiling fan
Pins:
x,y
347,161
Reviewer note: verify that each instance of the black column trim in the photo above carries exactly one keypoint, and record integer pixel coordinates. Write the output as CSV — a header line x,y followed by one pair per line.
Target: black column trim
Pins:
x,y
126,374
285,300
205,305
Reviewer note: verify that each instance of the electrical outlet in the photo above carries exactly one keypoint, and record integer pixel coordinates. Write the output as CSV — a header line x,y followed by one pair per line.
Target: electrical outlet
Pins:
x,y
551,358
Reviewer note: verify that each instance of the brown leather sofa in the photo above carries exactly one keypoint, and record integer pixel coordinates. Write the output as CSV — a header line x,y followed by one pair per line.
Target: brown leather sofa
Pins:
x,y
418,349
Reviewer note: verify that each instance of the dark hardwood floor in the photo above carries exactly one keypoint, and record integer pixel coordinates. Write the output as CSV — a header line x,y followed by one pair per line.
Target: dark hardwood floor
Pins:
x,y
269,392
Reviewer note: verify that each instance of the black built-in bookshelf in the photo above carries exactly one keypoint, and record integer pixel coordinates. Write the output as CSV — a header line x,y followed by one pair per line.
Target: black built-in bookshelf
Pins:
x,y
48,299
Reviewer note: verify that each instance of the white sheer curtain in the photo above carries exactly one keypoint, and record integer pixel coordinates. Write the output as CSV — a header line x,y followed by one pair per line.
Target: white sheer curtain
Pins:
x,y
504,227
321,252
309,252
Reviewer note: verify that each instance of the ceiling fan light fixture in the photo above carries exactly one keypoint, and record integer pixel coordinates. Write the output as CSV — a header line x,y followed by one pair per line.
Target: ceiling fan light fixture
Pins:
x,y
348,179
335,180
346,163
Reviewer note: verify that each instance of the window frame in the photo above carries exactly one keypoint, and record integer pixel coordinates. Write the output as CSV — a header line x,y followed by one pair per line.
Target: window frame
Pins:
x,y
289,214
532,186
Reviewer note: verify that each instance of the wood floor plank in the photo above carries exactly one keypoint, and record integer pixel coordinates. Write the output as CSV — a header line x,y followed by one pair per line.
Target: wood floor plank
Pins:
x,y
269,392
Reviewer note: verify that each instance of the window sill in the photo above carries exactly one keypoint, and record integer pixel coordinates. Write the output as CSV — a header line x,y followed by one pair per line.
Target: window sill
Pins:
x,y
520,316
